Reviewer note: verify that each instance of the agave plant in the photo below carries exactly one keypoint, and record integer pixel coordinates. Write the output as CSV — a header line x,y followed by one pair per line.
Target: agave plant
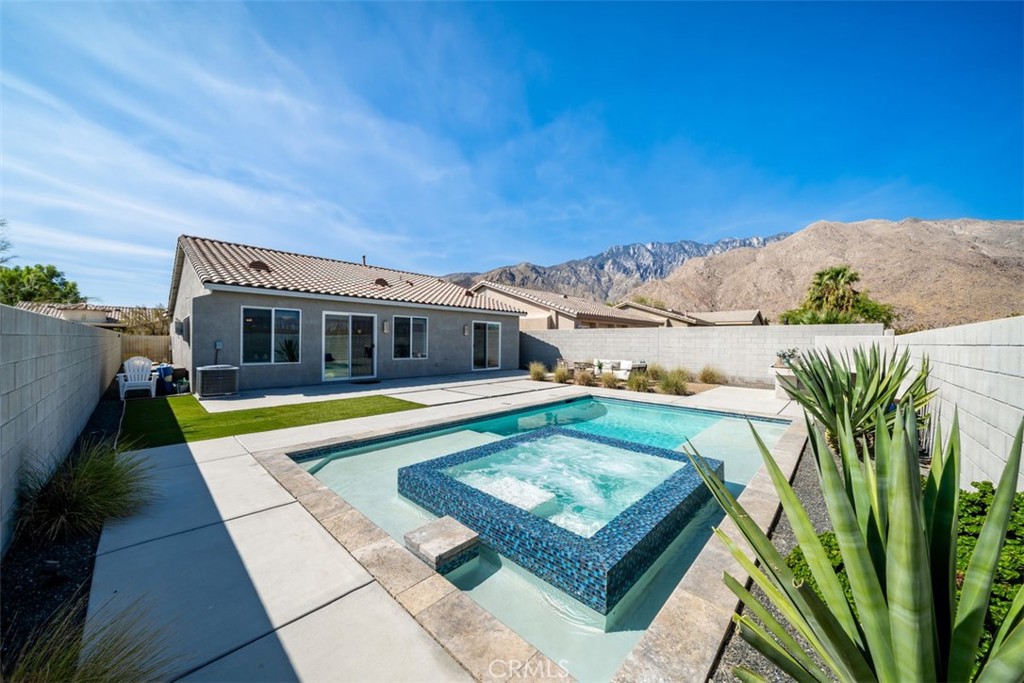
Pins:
x,y
898,544
829,389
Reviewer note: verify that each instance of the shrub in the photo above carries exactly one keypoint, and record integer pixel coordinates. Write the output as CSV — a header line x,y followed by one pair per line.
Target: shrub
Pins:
x,y
909,614
709,374
639,381
538,371
609,380
655,371
675,382
118,646
561,374
91,486
585,378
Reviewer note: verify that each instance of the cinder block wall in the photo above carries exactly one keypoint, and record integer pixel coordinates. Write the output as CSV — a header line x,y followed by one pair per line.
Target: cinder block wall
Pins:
x,y
978,369
745,354
52,374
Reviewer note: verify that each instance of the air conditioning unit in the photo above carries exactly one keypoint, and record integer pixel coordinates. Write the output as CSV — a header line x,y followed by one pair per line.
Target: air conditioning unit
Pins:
x,y
216,380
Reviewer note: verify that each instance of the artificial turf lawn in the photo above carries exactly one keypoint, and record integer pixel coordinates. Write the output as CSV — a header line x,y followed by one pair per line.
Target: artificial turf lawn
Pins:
x,y
176,419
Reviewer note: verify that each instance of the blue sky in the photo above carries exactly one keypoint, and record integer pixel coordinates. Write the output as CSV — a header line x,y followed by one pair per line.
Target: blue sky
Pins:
x,y
452,137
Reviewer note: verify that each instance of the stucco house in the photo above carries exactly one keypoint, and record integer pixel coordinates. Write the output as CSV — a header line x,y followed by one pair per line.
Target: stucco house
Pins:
x,y
288,319
668,317
551,311
665,317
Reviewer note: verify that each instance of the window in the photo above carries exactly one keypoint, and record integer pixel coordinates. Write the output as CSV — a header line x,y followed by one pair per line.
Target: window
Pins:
x,y
410,340
486,346
271,335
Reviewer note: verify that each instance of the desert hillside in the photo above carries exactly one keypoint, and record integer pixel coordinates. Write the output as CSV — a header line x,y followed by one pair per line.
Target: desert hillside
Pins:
x,y
935,272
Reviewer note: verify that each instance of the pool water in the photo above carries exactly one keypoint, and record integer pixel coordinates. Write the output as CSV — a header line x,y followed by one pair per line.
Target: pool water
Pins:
x,y
587,484
589,645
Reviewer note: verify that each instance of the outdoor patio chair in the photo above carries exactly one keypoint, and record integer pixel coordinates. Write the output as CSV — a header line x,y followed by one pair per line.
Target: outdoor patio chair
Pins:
x,y
138,374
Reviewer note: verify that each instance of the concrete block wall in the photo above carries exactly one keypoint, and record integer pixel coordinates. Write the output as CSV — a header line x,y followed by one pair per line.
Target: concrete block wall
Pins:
x,y
978,369
744,354
52,374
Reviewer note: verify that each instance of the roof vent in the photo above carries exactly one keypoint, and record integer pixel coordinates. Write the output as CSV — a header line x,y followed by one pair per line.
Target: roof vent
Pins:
x,y
469,293
410,283
259,265
565,296
380,282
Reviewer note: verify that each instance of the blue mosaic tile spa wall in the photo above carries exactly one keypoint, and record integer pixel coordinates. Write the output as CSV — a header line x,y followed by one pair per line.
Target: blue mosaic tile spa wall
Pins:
x,y
597,571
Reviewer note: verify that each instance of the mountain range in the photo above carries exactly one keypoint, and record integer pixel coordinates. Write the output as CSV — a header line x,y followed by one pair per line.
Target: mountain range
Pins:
x,y
615,272
934,272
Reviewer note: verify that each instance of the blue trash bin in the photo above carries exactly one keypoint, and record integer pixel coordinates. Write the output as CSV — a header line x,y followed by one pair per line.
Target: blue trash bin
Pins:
x,y
166,374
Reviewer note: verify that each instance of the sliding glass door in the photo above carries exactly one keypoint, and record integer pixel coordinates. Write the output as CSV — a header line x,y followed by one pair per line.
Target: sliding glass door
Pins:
x,y
349,346
486,346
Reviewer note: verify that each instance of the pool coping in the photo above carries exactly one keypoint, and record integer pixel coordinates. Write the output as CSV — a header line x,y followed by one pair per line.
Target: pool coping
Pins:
x,y
700,606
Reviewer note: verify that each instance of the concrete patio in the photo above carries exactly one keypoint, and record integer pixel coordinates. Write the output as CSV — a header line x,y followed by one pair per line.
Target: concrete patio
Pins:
x,y
257,575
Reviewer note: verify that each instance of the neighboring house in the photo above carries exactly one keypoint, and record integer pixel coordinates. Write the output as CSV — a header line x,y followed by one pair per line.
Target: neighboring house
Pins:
x,y
668,317
550,311
288,319
109,317
726,318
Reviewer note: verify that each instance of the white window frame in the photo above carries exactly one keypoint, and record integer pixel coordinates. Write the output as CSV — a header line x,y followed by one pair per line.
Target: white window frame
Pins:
x,y
273,334
426,337
323,346
472,332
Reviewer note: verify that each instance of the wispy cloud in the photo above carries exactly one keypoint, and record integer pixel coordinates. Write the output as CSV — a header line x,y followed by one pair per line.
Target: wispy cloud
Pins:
x,y
398,132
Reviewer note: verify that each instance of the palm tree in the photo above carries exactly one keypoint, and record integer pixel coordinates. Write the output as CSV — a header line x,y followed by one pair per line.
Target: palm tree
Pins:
x,y
832,289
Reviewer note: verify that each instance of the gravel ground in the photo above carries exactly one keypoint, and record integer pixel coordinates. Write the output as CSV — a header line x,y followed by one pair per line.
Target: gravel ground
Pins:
x,y
737,652
29,591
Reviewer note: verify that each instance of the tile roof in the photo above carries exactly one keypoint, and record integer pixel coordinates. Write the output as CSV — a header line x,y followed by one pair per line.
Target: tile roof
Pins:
x,y
573,305
745,317
115,314
688,318
227,263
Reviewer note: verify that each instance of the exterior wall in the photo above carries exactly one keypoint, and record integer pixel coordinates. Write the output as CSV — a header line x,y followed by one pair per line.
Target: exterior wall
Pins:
x,y
217,317
978,370
189,288
52,374
744,354
538,317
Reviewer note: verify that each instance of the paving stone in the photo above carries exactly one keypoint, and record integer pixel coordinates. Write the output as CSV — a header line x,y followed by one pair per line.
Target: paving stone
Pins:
x,y
441,541
425,593
353,529
323,503
484,645
680,645
394,567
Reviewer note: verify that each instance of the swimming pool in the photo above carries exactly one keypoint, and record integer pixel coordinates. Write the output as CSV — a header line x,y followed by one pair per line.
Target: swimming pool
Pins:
x,y
590,645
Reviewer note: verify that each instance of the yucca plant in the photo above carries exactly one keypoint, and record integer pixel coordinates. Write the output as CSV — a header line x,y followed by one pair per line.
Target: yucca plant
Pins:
x,y
898,544
828,388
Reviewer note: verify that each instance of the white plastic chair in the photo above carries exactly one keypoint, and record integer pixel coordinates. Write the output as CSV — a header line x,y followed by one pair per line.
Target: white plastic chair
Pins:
x,y
138,374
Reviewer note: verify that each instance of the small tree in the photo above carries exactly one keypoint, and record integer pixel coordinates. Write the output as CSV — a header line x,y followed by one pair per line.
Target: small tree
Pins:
x,y
152,321
832,300
5,243
37,283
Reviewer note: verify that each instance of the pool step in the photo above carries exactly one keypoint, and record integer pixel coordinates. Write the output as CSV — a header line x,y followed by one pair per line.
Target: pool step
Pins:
x,y
444,544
